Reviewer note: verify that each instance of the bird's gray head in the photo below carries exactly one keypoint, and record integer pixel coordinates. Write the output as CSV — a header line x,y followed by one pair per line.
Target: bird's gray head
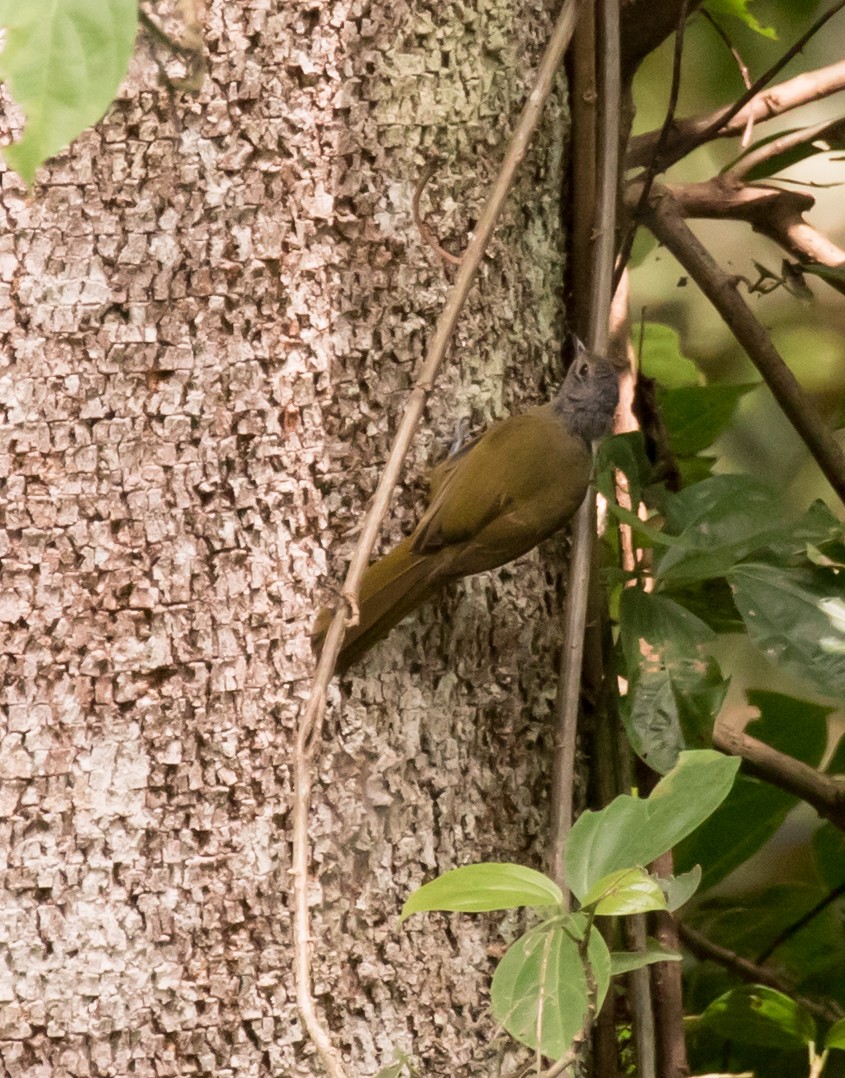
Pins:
x,y
589,395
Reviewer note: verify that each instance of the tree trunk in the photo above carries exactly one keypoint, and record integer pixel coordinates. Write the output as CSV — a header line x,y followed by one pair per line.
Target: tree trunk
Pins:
x,y
214,309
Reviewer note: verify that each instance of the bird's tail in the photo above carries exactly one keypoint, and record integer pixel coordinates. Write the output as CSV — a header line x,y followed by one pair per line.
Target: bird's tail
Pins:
x,y
392,588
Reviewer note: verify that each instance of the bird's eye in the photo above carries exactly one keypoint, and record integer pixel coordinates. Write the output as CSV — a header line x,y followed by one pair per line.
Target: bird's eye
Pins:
x,y
585,369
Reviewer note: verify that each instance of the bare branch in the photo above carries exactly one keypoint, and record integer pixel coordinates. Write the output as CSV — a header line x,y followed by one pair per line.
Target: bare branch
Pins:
x,y
792,94
788,141
572,653
668,991
653,165
823,792
663,216
771,211
733,110
311,720
744,73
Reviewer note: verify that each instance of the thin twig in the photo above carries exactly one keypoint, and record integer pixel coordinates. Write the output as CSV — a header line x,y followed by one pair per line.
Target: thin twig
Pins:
x,y
663,216
744,73
752,972
569,684
792,94
424,229
759,84
651,171
824,793
312,716
801,922
668,991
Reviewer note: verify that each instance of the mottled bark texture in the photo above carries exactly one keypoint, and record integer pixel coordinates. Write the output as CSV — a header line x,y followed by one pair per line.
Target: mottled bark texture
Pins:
x,y
210,315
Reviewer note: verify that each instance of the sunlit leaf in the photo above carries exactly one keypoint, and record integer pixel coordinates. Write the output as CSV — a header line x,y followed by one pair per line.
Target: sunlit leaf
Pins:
x,y
625,891
633,831
483,887
62,62
680,889
541,990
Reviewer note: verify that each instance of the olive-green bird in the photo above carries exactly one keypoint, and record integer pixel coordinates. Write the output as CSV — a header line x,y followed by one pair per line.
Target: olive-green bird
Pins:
x,y
491,501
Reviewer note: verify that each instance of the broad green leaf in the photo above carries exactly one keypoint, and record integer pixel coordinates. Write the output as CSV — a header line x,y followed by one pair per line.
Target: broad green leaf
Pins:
x,y
680,889
625,961
719,521
646,616
828,558
836,1035
796,617
628,890
798,728
625,452
663,360
829,852
541,992
674,691
756,1014
696,415
747,818
62,62
739,10
631,831
483,887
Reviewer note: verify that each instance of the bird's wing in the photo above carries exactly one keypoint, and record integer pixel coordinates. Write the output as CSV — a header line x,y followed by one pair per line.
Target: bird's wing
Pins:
x,y
501,471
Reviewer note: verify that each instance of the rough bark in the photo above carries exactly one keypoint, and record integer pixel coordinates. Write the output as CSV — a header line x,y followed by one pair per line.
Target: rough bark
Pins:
x,y
210,315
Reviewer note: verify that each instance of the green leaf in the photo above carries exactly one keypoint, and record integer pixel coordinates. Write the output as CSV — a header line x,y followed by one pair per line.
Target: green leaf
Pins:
x,y
663,360
758,1015
625,452
798,728
483,887
675,691
747,818
625,961
829,852
696,415
541,993
627,890
796,617
719,521
680,889
63,62
739,10
631,831
836,1035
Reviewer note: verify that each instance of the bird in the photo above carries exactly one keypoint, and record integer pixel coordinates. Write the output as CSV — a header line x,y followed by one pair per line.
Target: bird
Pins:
x,y
491,501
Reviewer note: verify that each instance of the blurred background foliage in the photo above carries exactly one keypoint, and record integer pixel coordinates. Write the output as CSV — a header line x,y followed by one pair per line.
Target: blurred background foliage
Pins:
x,y
790,873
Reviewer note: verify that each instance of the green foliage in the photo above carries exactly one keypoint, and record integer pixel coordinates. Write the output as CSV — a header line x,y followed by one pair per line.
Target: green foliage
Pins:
x,y
547,983
553,979
62,63
484,887
674,689
738,9
755,1014
633,831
